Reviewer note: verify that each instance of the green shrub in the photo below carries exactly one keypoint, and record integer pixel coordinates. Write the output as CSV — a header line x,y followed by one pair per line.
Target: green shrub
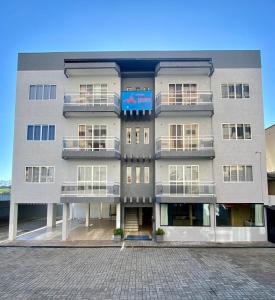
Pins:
x,y
160,231
118,231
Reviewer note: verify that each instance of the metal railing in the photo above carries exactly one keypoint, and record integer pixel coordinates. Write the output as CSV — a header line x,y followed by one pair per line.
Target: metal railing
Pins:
x,y
190,143
184,98
186,189
106,143
90,189
92,99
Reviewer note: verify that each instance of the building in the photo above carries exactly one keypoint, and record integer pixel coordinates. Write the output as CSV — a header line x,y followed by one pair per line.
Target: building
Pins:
x,y
171,139
270,164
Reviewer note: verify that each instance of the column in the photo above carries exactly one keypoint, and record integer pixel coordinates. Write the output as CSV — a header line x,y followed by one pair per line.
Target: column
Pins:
x,y
65,224
13,221
118,216
51,215
213,220
88,215
157,216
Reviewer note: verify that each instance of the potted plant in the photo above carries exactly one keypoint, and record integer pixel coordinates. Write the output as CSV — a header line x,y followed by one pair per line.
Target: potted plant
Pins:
x,y
118,234
159,235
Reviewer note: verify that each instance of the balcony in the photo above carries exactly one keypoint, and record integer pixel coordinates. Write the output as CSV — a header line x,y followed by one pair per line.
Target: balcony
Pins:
x,y
90,192
86,105
186,192
185,147
185,104
92,147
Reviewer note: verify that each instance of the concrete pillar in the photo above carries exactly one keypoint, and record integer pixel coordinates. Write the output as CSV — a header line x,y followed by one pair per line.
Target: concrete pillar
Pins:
x,y
213,220
87,224
51,215
71,211
13,221
65,224
118,216
157,215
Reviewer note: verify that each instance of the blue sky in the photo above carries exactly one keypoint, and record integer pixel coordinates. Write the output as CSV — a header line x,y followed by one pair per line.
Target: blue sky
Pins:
x,y
39,26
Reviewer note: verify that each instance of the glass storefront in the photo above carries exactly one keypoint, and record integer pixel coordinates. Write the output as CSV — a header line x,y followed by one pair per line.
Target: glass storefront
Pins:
x,y
183,214
240,214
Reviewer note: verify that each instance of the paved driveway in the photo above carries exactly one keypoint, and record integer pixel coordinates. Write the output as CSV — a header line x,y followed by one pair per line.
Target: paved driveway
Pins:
x,y
137,273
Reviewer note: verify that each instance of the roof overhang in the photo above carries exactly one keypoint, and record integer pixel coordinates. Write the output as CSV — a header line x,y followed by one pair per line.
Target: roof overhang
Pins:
x,y
187,67
86,68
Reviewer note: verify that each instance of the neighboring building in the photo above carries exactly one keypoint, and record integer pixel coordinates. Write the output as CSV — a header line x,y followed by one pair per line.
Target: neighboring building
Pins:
x,y
171,139
270,163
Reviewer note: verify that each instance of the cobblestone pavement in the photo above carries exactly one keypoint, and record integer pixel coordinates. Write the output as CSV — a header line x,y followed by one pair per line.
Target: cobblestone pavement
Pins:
x,y
137,273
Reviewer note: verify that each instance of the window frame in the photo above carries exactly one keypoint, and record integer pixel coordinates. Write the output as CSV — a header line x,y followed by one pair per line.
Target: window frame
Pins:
x,y
39,175
238,179
41,132
130,174
146,141
51,85
144,174
236,132
227,84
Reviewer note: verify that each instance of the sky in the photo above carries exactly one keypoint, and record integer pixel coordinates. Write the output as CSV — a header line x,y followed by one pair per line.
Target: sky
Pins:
x,y
110,25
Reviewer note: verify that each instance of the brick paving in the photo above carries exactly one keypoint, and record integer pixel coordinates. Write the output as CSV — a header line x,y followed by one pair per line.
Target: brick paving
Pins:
x,y
137,273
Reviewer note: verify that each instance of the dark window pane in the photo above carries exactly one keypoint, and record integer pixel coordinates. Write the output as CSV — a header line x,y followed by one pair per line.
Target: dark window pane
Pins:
x,y
37,132
46,94
30,133
32,92
44,132
51,132
240,133
53,92
246,90
39,92
239,91
247,130
224,91
231,90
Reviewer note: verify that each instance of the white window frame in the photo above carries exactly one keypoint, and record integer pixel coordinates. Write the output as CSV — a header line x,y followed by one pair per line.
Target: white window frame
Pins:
x,y
43,88
39,175
138,174
128,129
146,141
40,137
183,100
238,179
137,135
236,125
146,170
129,174
235,94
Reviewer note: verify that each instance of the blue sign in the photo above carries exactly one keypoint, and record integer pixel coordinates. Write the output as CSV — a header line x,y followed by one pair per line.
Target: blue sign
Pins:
x,y
136,100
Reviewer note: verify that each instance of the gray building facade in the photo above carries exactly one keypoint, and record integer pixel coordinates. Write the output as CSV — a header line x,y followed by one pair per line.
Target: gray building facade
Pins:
x,y
193,164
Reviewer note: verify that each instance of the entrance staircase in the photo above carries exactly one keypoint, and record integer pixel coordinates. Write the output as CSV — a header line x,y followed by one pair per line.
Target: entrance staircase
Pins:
x,y
131,220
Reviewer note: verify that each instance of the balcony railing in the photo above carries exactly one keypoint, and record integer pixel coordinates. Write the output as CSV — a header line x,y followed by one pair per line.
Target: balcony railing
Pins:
x,y
90,189
184,98
199,101
94,99
186,189
190,143
107,143
76,104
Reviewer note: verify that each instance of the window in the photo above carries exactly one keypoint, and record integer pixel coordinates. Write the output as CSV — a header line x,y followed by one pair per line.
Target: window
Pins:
x,y
240,214
39,174
146,135
137,174
129,174
183,136
92,137
128,135
235,90
92,180
183,179
236,131
182,214
237,173
42,92
182,93
94,93
41,132
137,135
146,175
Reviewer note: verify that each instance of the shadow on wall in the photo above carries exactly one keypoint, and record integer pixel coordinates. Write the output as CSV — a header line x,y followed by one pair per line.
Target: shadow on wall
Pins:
x,y
26,211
